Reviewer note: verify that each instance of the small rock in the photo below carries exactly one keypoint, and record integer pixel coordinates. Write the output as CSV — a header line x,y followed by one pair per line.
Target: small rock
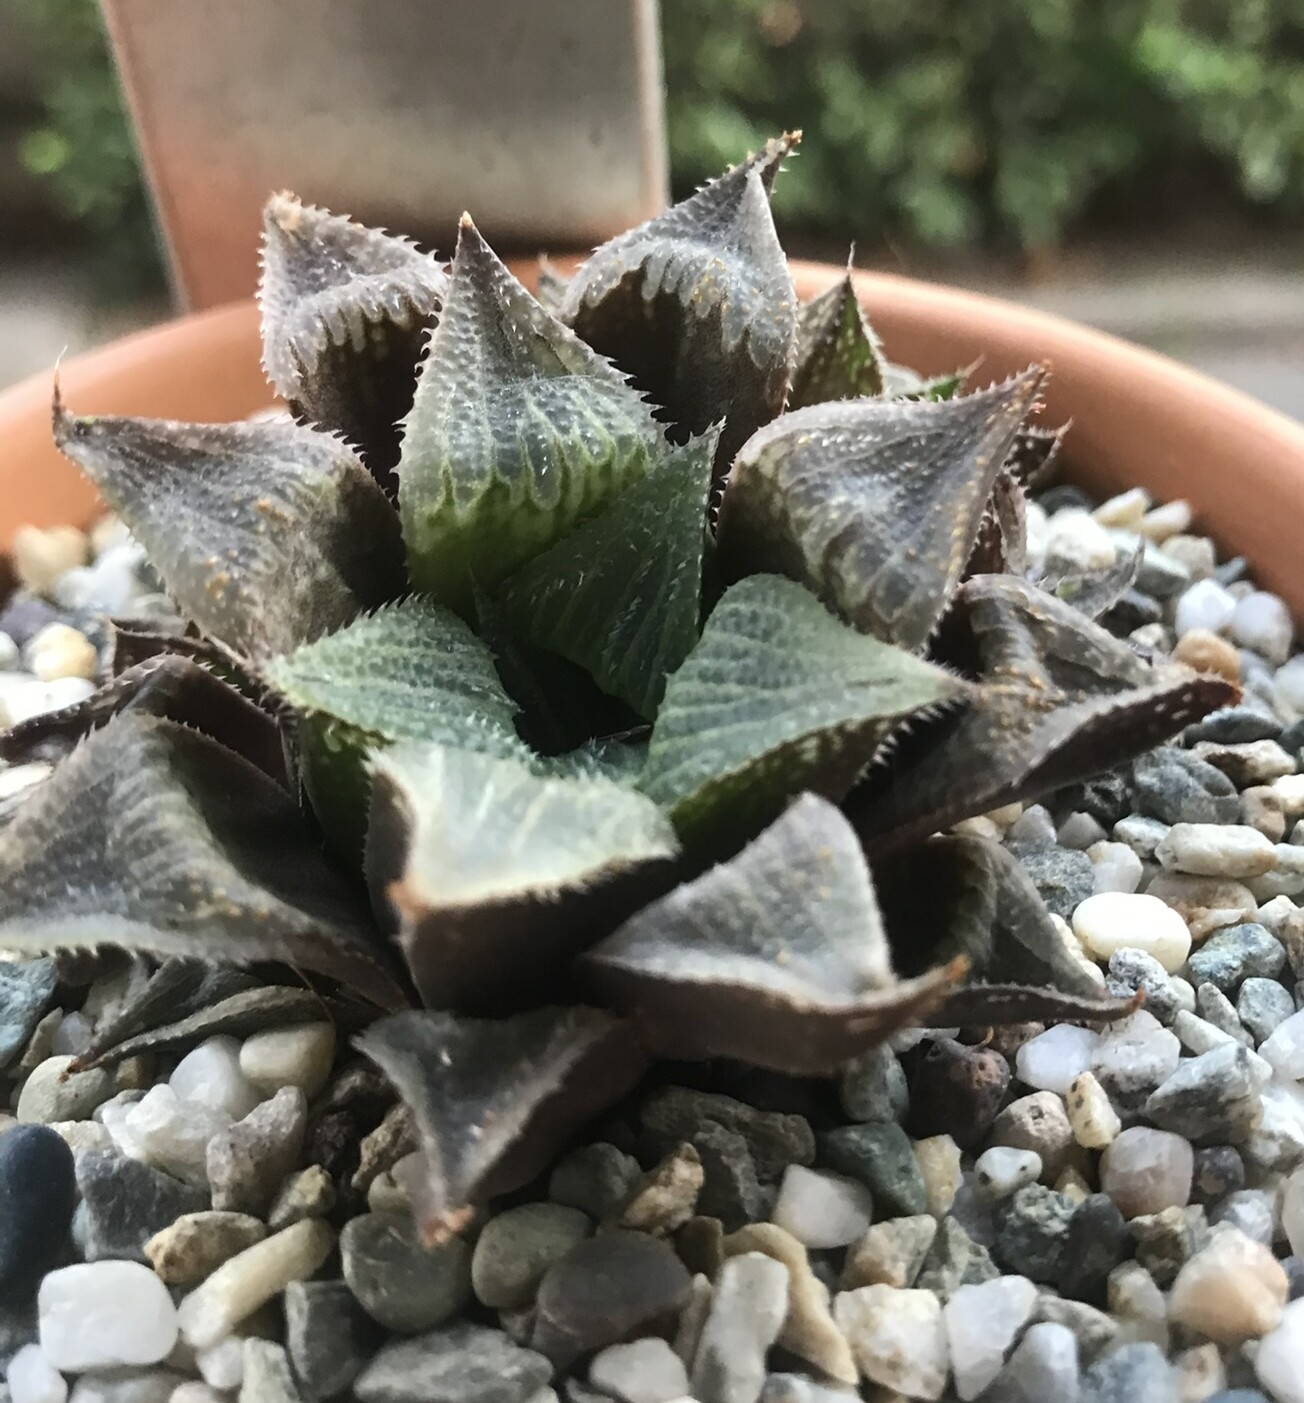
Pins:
x,y
898,1337
881,1157
1096,1242
666,1197
102,1315
1093,1329
25,993
1133,971
1163,522
1205,605
210,1075
1262,1006
517,1247
1114,921
308,1194
1038,1123
1034,827
671,1116
1177,787
1002,1170
397,1281
1132,1373
873,1086
1043,1367
37,1195
1256,762
891,1253
608,1289
1262,622
1206,904
954,1260
1252,1211
1094,1122
1232,725
267,1376
822,1210
1278,1141
1232,1291
938,1159
1211,1099
1134,1057
59,651
127,1386
1284,1049
1078,542
33,1379
1200,1373
1292,1212
1143,835
252,1278
248,1162
1146,1171
1219,1171
459,1364
1217,850
957,1090
643,1371
1033,1231
1279,1364
1164,1242
167,1132
982,1323
732,1190
1055,1058
1216,1008
47,1096
1236,953
746,1315
328,1336
1115,867
1063,875
196,1244
126,1203
301,1056
40,555
597,1179
1261,809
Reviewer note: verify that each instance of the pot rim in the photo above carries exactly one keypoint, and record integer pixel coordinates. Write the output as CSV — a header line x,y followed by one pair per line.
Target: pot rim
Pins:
x,y
1139,418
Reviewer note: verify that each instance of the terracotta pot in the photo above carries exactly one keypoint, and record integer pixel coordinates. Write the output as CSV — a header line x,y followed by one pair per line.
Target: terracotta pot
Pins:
x,y
1138,418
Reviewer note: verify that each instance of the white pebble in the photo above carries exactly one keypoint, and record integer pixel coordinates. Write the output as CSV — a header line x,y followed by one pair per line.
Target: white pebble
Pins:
x,y
1289,792
1115,867
33,1379
822,1210
167,1132
1052,1060
1002,1170
1284,1048
60,651
1076,537
1205,605
1166,520
1217,850
22,697
110,586
209,1075
73,1035
193,1391
1094,1120
1292,1212
1145,1171
898,1338
981,1324
101,1315
41,556
1279,1363
280,1057
1289,683
1278,1140
643,1371
1080,831
1126,509
1113,921
1262,622
221,1366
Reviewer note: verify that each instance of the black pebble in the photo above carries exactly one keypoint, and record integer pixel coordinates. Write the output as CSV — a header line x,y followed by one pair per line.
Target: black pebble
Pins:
x,y
1098,1240
37,1194
957,1090
1219,1171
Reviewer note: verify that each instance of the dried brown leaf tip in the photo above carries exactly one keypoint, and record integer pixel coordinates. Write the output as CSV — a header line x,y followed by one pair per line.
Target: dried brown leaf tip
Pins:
x,y
631,763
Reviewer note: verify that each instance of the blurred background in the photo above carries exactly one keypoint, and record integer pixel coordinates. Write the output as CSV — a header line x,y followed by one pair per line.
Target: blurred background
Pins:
x,y
1135,164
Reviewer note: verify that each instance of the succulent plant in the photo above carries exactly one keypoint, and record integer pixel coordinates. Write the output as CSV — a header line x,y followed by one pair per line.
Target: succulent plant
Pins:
x,y
554,701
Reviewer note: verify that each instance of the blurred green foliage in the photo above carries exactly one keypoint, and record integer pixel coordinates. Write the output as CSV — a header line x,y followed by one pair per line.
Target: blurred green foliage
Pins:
x,y
933,122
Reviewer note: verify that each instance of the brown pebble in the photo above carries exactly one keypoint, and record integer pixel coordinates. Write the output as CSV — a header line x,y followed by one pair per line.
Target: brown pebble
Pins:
x,y
957,1091
1206,652
1262,808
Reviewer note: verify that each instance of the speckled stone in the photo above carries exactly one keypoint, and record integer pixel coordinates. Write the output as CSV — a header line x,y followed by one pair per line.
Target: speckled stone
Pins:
x,y
1132,1373
1173,785
1096,1242
1212,1099
957,1091
873,1086
880,1156
1232,955
1033,1232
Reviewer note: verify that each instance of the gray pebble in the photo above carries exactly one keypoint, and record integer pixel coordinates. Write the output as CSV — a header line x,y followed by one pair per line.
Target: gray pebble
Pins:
x,y
25,993
126,1202
1234,725
1032,1233
1064,876
1130,1374
517,1247
1094,1330
673,1115
1219,1170
1131,970
46,1098
1173,785
249,1162
596,1179
1043,1367
1143,835
462,1364
873,1086
1215,1007
731,1188
328,1336
397,1281
1034,826
954,1260
1262,1005
1212,1099
1250,1210
882,1158
1234,954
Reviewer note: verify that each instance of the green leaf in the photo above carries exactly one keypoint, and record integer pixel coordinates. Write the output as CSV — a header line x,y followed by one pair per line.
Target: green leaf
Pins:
x,y
900,382
494,874
345,313
154,838
777,958
495,1100
1058,699
518,430
698,305
411,671
873,504
838,356
267,534
621,595
777,697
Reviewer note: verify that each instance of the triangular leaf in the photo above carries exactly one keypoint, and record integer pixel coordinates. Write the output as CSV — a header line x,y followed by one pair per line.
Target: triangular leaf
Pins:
x,y
698,306
494,1100
154,838
495,874
518,430
1002,544
267,534
621,595
345,310
1034,452
873,504
1058,699
777,958
900,382
838,356
777,697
